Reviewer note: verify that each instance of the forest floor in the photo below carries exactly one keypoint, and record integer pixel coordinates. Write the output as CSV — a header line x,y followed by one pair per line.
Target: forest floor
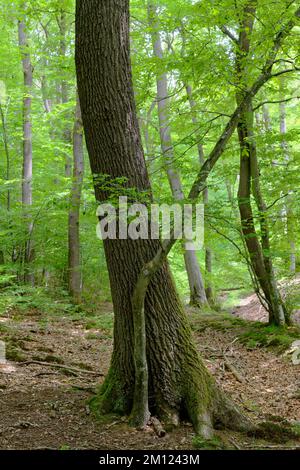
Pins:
x,y
46,406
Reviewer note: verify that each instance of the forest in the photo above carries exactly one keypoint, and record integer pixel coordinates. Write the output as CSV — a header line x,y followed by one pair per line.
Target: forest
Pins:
x,y
149,222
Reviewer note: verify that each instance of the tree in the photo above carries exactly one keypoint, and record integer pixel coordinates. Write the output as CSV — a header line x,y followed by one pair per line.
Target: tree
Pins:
x,y
259,253
196,284
74,211
64,89
27,149
179,384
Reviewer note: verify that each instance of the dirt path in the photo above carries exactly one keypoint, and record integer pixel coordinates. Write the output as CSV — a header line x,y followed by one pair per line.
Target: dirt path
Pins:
x,y
44,407
251,309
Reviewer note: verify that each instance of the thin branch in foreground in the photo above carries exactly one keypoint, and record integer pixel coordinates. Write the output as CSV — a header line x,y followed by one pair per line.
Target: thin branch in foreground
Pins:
x,y
275,102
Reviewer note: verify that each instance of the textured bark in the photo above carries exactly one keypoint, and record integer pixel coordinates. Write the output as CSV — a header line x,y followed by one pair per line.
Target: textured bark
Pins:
x,y
74,211
196,284
178,382
27,150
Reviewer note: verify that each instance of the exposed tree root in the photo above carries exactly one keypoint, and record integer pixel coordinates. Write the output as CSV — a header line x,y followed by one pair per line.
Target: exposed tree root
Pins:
x,y
158,427
227,414
233,370
61,366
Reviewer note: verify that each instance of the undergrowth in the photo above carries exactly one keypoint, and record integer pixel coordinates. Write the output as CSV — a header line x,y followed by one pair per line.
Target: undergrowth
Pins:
x,y
47,305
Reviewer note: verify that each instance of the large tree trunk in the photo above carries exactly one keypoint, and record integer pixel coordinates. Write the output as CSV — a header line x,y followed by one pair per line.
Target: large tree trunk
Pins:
x,y
27,151
196,284
178,381
74,211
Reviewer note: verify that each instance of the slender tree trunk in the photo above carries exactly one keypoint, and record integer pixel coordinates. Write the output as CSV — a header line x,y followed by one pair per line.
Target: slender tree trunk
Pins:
x,y
6,150
27,150
208,251
46,101
149,145
267,118
260,255
196,284
290,225
64,91
7,176
74,211
178,382
277,309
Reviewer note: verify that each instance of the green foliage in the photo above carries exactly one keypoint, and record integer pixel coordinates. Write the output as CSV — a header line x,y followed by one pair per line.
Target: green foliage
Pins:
x,y
18,299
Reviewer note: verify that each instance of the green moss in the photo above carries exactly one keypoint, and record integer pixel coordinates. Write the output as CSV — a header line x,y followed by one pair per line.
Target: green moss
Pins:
x,y
3,328
296,429
218,321
83,365
251,334
14,354
261,335
215,443
56,359
277,432
197,393
110,398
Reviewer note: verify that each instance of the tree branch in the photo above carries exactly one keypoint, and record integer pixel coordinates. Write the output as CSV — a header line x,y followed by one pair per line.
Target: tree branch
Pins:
x,y
228,33
275,102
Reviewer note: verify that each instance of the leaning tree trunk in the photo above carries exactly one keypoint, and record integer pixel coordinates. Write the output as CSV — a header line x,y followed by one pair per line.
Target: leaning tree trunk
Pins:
x,y
277,309
196,284
178,382
259,253
27,151
74,270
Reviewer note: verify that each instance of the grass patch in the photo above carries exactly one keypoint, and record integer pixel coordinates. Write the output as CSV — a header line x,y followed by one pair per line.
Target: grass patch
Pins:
x,y
103,322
